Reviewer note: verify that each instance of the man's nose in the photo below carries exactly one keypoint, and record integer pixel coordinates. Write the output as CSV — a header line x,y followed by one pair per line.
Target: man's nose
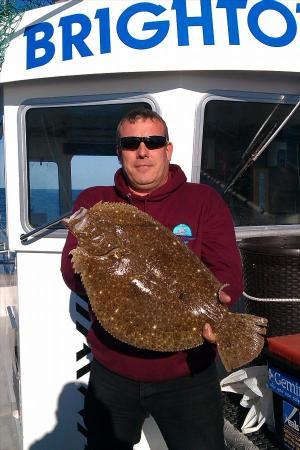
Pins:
x,y
142,151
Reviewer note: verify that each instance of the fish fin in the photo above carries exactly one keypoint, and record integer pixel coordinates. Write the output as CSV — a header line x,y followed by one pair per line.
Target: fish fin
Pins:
x,y
240,339
79,258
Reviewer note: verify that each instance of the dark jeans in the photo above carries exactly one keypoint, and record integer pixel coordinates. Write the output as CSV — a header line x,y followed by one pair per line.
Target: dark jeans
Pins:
x,y
187,410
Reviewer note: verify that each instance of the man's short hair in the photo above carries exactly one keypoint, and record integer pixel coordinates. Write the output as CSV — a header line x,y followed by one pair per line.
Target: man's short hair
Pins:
x,y
144,114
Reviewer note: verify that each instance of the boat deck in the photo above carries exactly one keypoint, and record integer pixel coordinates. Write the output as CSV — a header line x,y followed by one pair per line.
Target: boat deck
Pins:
x,y
9,413
235,414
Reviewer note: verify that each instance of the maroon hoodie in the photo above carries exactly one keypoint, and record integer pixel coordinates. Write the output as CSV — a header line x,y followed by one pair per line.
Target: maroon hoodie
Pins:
x,y
199,214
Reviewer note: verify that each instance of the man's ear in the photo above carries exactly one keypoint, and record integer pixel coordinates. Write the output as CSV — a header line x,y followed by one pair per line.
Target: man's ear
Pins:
x,y
119,154
169,151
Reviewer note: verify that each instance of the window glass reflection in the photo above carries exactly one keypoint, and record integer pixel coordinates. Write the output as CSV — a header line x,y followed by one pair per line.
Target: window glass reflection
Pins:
x,y
69,148
96,167
268,191
44,192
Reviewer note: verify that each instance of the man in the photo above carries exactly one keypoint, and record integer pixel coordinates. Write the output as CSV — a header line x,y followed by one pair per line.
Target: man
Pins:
x,y
181,389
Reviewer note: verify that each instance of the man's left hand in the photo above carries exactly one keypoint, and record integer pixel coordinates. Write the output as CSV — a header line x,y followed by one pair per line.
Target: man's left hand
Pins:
x,y
207,331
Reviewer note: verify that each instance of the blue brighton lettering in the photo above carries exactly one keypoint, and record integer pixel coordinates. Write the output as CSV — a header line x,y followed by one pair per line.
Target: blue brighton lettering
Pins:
x,y
104,29
33,44
161,27
76,40
231,7
41,49
184,22
272,5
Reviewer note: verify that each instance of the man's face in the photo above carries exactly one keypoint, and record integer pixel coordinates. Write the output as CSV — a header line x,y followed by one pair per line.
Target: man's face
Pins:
x,y
146,169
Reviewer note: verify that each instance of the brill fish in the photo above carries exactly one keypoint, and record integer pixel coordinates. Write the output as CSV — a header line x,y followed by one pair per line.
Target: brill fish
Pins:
x,y
149,290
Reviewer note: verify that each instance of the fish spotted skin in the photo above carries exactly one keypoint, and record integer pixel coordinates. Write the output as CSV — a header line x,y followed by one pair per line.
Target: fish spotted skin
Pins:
x,y
149,290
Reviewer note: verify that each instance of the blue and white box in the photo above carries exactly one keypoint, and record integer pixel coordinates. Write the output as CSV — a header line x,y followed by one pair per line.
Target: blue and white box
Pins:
x,y
286,386
291,426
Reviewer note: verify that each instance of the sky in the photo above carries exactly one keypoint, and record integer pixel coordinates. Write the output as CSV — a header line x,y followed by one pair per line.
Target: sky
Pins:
x,y
27,4
85,171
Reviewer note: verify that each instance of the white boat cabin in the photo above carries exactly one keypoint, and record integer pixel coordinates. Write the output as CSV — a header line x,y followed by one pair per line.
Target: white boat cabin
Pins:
x,y
225,76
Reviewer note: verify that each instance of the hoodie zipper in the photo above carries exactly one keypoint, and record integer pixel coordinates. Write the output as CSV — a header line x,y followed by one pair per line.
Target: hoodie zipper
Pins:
x,y
145,203
130,200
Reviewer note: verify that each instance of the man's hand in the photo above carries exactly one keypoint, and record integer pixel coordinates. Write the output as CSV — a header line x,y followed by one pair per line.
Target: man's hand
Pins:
x,y
207,331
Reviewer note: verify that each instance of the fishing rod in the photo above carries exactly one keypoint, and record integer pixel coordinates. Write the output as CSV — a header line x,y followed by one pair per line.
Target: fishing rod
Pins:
x,y
251,145
245,165
236,194
253,157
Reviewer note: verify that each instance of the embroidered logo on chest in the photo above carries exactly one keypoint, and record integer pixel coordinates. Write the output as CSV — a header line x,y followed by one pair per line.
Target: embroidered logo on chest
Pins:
x,y
184,232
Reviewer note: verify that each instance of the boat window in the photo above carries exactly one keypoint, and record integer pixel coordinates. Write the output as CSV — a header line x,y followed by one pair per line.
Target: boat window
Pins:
x,y
98,167
69,148
44,192
268,191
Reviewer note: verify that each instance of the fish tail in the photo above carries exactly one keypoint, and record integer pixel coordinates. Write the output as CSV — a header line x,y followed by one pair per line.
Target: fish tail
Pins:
x,y
240,339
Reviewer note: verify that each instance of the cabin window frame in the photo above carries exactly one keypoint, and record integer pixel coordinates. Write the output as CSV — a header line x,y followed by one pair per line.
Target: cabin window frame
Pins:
x,y
56,102
239,96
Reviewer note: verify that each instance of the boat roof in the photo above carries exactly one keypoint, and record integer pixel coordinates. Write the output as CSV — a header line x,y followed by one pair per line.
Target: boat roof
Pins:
x,y
90,37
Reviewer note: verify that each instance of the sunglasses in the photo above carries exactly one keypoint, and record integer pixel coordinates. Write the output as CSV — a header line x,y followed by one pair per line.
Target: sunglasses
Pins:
x,y
151,142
